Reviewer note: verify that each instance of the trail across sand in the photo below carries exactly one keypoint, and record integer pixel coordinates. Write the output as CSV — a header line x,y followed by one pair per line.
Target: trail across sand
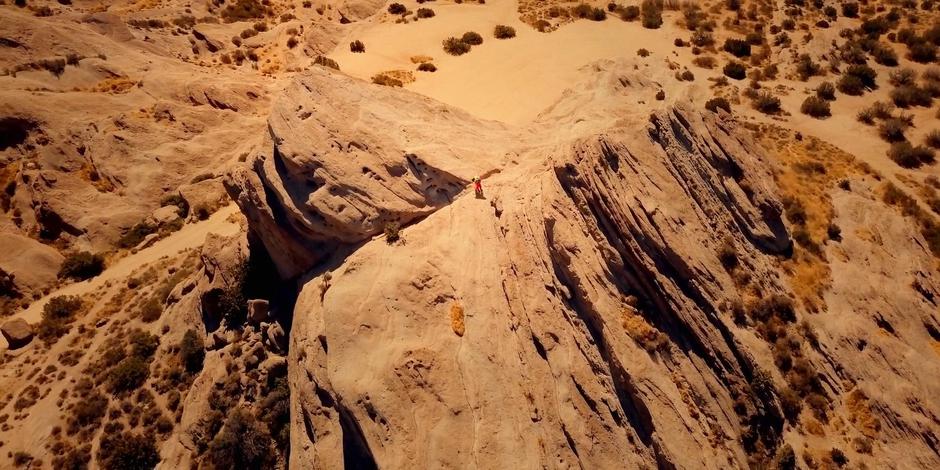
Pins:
x,y
190,236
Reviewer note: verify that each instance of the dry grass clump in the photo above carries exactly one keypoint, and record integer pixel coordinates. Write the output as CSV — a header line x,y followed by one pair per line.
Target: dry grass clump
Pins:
x,y
457,319
705,62
386,80
326,62
648,337
826,91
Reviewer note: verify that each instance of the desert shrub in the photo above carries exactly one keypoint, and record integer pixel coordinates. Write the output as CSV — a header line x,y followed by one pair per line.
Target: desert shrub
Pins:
x,y
838,457
660,95
910,95
326,62
151,310
543,26
57,315
737,47
850,9
397,9
728,255
81,265
424,13
735,70
88,412
127,451
815,106
826,91
136,234
454,46
865,116
630,13
892,130
242,10
143,344
791,404
908,156
427,67
642,52
652,12
248,33
192,351
806,68
502,31
864,73
128,375
472,38
292,42
357,46
922,52
241,443
687,76
884,55
932,139
902,77
718,102
392,234
702,39
766,103
705,62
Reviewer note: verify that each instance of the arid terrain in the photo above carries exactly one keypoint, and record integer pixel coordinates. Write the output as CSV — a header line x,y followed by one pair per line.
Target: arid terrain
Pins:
x,y
241,234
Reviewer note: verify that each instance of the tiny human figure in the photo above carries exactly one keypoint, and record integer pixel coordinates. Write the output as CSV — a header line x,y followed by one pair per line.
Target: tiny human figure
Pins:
x,y
478,187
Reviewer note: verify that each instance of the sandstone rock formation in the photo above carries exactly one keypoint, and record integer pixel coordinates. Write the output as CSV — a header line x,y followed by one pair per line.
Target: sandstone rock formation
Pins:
x,y
17,332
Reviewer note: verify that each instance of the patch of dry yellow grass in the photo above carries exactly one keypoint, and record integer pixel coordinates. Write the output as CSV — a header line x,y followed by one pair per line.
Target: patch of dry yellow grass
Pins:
x,y
420,59
859,411
808,170
456,319
641,331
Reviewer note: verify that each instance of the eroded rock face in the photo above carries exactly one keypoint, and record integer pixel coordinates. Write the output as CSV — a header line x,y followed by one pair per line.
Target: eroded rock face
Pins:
x,y
550,272
341,163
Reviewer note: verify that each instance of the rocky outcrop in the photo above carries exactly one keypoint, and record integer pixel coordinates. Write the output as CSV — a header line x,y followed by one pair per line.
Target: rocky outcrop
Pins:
x,y
594,315
17,332
33,265
340,165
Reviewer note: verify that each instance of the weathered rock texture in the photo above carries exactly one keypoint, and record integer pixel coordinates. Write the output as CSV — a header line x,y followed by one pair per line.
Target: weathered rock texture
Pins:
x,y
17,332
576,315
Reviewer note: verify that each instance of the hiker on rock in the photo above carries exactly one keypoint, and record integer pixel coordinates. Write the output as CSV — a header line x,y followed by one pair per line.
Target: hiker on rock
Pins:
x,y
478,187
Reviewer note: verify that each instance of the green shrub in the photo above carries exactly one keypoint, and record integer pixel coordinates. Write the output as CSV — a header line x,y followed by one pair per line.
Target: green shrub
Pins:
x,y
81,265
826,91
908,156
766,103
652,12
242,10
135,235
472,38
357,46
718,102
57,316
735,70
454,46
630,13
737,47
241,443
502,31
192,351
126,451
816,107
850,9
892,130
129,374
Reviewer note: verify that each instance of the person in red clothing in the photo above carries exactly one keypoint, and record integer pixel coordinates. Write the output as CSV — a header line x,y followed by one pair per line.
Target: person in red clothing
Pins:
x,y
478,187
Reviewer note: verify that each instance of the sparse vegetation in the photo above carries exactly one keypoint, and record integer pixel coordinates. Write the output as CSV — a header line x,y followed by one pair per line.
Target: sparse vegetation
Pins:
x,y
735,70
243,10
126,450
766,103
57,316
652,12
826,91
392,232
326,62
357,46
892,130
737,47
718,102
472,38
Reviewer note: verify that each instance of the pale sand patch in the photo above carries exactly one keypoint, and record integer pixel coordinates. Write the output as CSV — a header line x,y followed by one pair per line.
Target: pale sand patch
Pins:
x,y
509,80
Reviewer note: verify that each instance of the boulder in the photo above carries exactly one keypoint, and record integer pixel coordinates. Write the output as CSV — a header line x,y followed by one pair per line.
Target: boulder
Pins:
x,y
164,215
17,332
257,310
32,264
